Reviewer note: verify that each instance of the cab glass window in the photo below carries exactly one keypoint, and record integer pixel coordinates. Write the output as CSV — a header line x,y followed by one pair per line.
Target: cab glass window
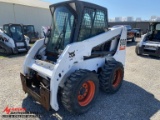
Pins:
x,y
93,23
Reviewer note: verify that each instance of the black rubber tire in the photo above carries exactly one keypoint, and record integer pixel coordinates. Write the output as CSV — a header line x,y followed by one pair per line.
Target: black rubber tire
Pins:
x,y
7,50
134,39
107,76
70,91
137,50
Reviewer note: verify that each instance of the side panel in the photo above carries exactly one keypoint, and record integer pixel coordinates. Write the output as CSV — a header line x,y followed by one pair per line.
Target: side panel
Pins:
x,y
75,52
120,55
10,42
90,64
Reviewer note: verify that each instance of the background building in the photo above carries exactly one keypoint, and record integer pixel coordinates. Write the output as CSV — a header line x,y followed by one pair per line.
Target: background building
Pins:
x,y
118,19
33,12
153,18
138,19
111,20
129,19
158,19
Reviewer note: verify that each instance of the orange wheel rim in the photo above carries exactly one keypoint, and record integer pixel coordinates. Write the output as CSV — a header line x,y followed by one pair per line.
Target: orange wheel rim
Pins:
x,y
117,78
86,93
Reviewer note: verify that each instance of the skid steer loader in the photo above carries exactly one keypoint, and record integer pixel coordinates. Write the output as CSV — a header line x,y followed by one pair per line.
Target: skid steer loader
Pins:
x,y
13,40
150,42
29,31
78,56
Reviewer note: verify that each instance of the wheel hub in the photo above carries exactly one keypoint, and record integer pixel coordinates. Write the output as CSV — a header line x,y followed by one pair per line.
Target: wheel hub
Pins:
x,y
82,91
117,78
86,93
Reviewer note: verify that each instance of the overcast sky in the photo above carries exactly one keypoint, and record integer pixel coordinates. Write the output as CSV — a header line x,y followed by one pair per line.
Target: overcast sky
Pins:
x,y
123,8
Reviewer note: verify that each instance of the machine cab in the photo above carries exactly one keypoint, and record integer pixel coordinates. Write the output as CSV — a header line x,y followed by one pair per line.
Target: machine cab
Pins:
x,y
15,31
74,21
154,32
29,31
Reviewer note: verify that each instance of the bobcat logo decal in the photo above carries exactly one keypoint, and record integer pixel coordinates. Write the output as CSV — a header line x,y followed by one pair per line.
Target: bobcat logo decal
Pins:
x,y
71,55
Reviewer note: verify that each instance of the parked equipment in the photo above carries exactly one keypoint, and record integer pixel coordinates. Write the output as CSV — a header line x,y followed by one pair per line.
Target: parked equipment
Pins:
x,y
78,56
29,31
138,32
131,35
150,43
13,40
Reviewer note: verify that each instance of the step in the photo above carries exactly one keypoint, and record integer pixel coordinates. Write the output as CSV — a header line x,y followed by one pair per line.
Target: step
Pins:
x,y
42,67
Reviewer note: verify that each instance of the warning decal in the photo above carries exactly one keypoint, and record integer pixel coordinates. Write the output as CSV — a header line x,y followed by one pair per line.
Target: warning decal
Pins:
x,y
122,44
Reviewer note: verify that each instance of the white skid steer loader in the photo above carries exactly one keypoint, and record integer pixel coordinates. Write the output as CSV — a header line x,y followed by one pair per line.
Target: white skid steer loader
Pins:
x,y
78,56
150,42
13,40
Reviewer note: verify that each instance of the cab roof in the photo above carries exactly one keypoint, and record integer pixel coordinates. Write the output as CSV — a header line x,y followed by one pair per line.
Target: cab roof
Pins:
x,y
79,4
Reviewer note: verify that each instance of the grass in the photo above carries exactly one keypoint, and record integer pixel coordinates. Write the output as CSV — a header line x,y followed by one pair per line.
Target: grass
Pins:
x,y
1,57
31,44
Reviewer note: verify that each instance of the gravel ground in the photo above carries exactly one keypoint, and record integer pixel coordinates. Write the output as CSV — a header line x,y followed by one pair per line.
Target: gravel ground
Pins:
x,y
138,98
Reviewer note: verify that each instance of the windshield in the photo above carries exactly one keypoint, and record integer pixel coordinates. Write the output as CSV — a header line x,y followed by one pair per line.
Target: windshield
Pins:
x,y
28,29
62,24
16,33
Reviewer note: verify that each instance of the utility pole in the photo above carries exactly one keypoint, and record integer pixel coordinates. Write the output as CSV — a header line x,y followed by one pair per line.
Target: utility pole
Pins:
x,y
14,13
